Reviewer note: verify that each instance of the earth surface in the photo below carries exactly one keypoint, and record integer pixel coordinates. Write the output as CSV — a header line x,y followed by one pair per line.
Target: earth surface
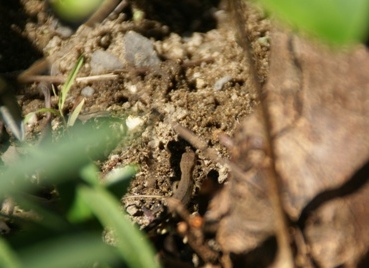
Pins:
x,y
152,63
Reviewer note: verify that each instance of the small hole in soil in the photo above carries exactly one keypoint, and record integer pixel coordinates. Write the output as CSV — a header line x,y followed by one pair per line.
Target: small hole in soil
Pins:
x,y
120,99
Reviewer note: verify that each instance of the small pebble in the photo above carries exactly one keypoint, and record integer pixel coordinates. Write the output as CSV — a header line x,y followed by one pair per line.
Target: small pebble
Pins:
x,y
219,84
132,88
200,83
87,91
264,40
132,210
105,41
132,122
63,31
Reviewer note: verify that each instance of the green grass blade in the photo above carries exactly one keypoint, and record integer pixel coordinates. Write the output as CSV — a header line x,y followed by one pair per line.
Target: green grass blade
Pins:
x,y
68,84
130,242
73,117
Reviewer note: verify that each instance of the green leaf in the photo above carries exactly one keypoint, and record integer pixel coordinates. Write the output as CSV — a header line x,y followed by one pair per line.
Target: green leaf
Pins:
x,y
50,219
130,241
61,161
79,210
336,21
77,250
8,257
89,174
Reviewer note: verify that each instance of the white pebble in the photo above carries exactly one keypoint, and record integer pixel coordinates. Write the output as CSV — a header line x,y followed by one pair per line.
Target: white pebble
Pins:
x,y
219,84
87,91
131,210
132,122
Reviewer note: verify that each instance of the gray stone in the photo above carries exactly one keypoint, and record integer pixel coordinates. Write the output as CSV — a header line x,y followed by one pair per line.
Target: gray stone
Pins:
x,y
104,62
139,51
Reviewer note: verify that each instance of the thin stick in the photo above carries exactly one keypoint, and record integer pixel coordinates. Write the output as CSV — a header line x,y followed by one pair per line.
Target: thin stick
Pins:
x,y
145,196
284,258
62,79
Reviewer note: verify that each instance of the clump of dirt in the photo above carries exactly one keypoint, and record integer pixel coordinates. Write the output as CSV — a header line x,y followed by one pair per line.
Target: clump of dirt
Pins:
x,y
201,82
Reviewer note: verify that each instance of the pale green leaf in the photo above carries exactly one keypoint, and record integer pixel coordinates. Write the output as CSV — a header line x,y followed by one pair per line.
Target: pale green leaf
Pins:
x,y
337,21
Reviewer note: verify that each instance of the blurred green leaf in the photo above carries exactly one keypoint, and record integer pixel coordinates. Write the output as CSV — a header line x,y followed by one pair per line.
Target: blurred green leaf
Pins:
x,y
63,163
60,161
77,250
130,241
8,258
79,210
50,218
337,21
89,173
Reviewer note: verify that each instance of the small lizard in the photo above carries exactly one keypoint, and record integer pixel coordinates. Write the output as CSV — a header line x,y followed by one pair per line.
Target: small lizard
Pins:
x,y
183,192
185,186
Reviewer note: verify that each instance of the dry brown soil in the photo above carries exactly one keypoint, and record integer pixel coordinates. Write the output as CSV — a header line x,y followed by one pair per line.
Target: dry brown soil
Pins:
x,y
195,53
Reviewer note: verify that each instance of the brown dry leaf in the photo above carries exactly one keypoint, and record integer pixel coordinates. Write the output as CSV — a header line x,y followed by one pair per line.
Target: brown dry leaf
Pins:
x,y
318,106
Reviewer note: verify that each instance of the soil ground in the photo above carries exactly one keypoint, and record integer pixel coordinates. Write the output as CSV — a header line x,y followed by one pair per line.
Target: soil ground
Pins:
x,y
201,82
